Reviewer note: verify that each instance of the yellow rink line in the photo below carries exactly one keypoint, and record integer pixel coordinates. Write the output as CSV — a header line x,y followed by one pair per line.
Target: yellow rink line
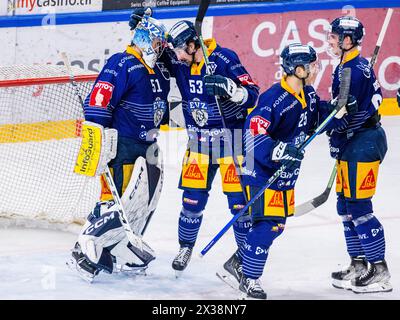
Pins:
x,y
38,131
389,107
64,129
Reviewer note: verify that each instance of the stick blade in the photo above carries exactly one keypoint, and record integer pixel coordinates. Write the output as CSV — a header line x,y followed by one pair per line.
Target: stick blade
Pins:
x,y
344,88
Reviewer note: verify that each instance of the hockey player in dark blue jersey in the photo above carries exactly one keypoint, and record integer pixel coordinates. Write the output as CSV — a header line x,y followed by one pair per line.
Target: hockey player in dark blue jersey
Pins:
x,y
358,142
285,114
207,148
130,97
398,97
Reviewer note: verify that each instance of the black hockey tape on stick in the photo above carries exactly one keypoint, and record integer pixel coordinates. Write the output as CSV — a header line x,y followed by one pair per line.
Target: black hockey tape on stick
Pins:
x,y
381,37
201,13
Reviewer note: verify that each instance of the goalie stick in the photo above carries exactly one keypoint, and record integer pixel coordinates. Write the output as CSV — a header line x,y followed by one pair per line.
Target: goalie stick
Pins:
x,y
342,100
198,24
310,205
134,239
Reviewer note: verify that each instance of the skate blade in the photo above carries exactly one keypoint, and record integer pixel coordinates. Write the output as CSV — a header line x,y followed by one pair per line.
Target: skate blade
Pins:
x,y
344,284
178,273
72,265
373,288
228,279
130,271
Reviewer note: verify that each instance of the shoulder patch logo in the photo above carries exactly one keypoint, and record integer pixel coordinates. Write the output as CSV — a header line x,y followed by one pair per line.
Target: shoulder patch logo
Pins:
x,y
258,125
101,94
246,80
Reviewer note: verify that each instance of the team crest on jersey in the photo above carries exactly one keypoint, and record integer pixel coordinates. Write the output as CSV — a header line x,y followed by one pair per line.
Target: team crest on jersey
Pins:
x,y
101,94
159,108
200,111
258,125
365,69
212,66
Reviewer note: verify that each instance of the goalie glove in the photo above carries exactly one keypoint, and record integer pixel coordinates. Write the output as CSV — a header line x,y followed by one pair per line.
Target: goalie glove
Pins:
x,y
137,15
287,154
217,85
98,148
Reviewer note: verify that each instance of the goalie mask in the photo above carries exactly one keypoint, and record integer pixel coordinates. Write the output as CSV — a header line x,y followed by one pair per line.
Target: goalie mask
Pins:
x,y
150,37
296,55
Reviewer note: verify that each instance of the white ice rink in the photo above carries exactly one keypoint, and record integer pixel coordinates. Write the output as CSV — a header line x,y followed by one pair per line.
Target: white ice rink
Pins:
x,y
32,262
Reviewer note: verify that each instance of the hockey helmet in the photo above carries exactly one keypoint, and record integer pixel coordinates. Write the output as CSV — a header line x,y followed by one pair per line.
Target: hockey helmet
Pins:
x,y
181,34
295,55
348,26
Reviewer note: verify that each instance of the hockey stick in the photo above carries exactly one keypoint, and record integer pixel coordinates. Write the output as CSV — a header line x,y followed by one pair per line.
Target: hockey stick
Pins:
x,y
134,239
310,205
342,100
198,24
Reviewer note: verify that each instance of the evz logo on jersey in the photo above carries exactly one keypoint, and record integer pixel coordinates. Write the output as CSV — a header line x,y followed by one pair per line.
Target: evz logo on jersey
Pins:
x,y
200,111
365,69
212,66
258,125
101,94
246,80
159,108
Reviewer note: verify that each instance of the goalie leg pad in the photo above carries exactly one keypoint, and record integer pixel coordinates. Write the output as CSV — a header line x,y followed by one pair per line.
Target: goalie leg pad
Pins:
x,y
133,258
142,193
98,147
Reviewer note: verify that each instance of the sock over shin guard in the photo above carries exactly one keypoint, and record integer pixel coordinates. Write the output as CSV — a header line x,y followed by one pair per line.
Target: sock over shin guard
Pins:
x,y
189,226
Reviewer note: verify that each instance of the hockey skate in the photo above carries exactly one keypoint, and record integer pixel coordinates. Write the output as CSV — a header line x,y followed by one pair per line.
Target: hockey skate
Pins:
x,y
342,279
251,288
181,260
78,262
231,273
375,279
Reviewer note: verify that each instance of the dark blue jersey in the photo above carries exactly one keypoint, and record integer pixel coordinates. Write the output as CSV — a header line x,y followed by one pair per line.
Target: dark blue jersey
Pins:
x,y
200,110
366,89
129,96
280,114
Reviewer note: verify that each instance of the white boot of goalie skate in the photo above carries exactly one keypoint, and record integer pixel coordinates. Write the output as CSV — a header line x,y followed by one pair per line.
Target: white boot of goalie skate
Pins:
x,y
79,263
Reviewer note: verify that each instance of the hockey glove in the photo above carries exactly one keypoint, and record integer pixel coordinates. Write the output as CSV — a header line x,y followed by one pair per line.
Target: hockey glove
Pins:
x,y
217,85
350,108
287,154
137,16
398,97
352,105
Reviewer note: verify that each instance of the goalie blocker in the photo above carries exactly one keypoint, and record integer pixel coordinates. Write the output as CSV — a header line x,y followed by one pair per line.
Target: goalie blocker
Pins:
x,y
103,244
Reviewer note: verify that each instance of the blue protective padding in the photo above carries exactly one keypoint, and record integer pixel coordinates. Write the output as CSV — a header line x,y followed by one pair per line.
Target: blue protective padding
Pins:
x,y
191,11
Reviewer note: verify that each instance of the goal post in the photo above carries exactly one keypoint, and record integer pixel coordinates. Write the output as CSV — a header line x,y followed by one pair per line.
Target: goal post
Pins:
x,y
40,121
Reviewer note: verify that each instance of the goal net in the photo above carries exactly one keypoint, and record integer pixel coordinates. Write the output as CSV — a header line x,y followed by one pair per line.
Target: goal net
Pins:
x,y
40,118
